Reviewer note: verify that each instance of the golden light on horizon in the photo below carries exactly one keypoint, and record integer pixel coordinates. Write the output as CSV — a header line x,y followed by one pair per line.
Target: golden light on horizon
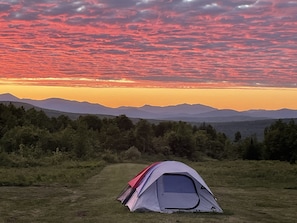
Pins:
x,y
238,99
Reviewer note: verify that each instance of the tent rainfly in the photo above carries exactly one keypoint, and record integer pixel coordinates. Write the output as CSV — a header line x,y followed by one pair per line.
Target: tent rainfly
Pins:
x,y
168,187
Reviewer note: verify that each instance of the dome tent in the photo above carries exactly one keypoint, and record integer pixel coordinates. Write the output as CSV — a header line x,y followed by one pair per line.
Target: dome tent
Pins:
x,y
168,187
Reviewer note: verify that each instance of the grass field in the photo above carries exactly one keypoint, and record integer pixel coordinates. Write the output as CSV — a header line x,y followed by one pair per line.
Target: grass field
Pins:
x,y
248,191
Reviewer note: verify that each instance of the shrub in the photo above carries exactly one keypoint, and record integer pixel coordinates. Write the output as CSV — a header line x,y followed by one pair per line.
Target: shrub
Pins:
x,y
5,160
132,153
110,157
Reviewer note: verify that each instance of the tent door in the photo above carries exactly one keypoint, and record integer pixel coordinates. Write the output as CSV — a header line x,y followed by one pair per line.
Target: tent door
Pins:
x,y
176,191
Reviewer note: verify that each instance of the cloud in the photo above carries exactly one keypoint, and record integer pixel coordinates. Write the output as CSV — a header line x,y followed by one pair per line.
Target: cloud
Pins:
x,y
151,43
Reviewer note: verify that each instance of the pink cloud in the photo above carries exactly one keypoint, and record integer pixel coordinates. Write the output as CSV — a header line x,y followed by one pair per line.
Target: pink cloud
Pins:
x,y
150,43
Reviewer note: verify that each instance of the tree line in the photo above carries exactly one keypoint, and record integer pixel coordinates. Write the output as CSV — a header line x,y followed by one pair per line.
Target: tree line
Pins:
x,y
27,136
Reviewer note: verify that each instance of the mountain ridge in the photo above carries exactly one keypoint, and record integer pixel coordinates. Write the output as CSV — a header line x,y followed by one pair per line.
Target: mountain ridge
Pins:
x,y
180,112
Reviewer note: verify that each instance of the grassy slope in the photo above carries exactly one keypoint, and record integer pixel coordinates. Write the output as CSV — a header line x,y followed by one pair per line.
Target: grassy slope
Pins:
x,y
248,191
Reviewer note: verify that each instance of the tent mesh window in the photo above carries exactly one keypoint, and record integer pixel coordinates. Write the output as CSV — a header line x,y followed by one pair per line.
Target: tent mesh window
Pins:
x,y
176,183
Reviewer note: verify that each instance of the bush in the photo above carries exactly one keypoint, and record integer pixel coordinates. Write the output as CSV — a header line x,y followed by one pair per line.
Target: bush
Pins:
x,y
56,158
110,157
16,160
5,160
132,153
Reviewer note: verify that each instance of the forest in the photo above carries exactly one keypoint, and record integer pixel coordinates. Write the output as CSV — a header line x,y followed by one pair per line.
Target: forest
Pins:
x,y
28,137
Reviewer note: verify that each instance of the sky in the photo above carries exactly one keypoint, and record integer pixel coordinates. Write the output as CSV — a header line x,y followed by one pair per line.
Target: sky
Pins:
x,y
237,54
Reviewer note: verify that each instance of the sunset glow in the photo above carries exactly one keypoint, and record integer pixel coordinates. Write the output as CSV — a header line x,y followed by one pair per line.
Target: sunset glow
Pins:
x,y
226,54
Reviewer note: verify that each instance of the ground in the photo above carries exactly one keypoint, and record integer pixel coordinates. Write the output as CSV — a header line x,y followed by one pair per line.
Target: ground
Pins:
x,y
248,191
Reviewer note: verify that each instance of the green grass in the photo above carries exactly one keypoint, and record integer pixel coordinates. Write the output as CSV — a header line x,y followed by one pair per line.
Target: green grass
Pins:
x,y
248,191
68,173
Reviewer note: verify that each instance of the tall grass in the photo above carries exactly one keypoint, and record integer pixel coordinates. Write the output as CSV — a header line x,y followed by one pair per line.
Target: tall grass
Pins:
x,y
66,173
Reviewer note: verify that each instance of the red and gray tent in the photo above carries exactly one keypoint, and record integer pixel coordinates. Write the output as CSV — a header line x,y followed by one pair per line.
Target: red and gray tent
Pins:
x,y
167,187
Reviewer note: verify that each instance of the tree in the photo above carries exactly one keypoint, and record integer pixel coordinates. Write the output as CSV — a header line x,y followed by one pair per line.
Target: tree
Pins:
x,y
252,150
8,119
110,137
37,118
182,142
27,137
81,145
143,135
162,128
280,140
210,130
124,123
91,121
65,139
201,140
237,136
61,122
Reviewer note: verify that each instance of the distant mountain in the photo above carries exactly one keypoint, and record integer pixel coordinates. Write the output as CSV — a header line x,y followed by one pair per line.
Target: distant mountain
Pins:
x,y
61,105
276,114
182,109
8,97
181,112
166,112
146,112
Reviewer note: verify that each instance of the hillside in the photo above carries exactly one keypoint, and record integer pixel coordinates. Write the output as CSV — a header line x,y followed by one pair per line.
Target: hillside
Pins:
x,y
246,128
227,121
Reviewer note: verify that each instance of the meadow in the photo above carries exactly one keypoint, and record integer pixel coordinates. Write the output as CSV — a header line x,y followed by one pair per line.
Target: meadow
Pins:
x,y
248,191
